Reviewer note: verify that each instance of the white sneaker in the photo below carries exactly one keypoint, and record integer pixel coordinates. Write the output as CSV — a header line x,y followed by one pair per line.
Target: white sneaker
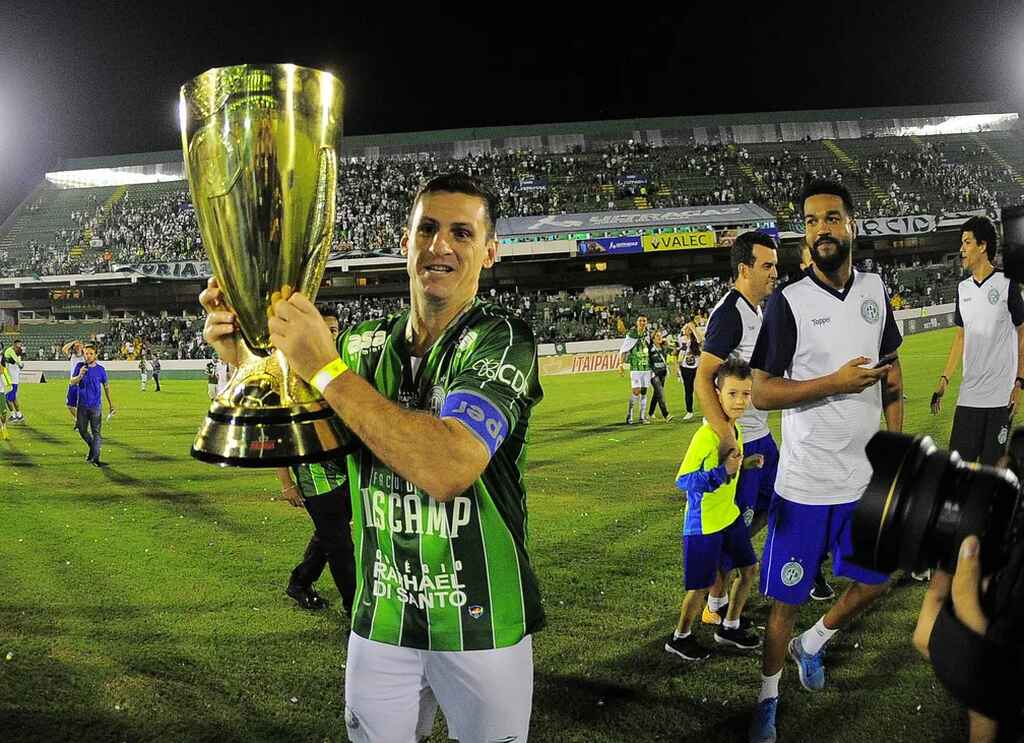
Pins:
x,y
688,417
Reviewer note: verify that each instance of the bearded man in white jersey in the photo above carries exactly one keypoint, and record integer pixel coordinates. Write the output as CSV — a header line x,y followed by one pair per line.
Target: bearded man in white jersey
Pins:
x,y
827,357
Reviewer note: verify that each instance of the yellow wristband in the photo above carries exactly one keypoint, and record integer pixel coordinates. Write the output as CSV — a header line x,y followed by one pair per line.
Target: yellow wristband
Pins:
x,y
328,374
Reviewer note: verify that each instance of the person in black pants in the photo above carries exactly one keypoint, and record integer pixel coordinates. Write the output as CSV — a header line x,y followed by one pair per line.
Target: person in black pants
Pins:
x,y
659,372
323,491
689,355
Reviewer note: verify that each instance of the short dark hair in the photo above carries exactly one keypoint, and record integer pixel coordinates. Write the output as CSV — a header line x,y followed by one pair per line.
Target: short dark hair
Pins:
x,y
734,367
820,186
984,232
742,250
89,345
464,184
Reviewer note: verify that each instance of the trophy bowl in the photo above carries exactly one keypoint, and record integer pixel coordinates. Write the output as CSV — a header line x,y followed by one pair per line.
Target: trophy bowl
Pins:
x,y
260,158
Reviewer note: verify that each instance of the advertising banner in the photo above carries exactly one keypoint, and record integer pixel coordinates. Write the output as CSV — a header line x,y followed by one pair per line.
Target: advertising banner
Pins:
x,y
579,363
599,245
679,241
171,269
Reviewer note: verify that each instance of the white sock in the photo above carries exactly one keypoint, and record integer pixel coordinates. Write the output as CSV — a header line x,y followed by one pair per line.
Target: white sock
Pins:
x,y
814,639
717,602
643,407
731,623
681,635
769,687
633,399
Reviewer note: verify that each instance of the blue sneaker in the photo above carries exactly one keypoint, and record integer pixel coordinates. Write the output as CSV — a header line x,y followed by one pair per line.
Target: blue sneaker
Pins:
x,y
762,727
812,667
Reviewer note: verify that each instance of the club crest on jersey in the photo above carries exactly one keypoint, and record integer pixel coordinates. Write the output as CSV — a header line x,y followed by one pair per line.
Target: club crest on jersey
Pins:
x,y
870,311
792,573
476,611
748,517
993,296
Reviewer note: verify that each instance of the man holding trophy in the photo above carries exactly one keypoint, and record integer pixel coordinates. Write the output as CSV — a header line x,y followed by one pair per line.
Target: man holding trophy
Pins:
x,y
432,407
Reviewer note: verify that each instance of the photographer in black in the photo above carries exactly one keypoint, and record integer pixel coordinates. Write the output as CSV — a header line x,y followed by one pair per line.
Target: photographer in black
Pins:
x,y
925,507
966,657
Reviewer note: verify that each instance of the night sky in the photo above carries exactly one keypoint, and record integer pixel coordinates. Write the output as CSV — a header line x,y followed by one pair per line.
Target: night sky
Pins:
x,y
86,79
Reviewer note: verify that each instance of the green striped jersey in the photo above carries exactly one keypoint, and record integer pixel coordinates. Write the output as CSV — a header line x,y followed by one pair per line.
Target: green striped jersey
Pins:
x,y
453,575
639,358
319,479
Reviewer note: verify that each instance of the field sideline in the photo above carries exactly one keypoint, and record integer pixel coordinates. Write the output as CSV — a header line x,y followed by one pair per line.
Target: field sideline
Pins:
x,y
145,601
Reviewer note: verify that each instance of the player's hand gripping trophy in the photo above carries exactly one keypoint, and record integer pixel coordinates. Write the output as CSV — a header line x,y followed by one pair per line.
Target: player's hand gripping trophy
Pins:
x,y
259,146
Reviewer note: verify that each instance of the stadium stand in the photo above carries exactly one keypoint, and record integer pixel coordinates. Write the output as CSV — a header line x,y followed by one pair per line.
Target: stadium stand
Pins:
x,y
888,176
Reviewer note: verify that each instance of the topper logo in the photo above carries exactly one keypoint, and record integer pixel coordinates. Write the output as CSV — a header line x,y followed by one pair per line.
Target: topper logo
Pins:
x,y
820,321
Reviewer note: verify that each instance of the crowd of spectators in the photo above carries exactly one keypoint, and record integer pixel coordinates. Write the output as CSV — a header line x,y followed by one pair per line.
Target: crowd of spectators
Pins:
x,y
158,223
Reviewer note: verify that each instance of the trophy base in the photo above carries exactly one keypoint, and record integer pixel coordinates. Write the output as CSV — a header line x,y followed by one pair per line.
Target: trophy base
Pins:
x,y
271,437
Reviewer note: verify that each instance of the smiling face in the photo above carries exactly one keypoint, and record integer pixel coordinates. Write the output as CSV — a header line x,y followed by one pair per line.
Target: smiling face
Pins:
x,y
446,246
641,325
734,394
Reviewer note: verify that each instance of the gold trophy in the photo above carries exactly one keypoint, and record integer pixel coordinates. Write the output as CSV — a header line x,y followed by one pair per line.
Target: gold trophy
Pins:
x,y
259,146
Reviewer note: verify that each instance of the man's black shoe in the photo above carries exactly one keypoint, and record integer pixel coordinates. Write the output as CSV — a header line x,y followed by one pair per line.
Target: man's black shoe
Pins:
x,y
307,598
97,463
821,591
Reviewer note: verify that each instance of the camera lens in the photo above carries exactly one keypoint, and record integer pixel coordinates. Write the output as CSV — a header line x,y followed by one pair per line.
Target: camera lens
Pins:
x,y
922,502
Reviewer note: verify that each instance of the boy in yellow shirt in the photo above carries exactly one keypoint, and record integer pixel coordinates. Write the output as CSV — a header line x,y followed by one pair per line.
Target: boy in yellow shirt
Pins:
x,y
712,523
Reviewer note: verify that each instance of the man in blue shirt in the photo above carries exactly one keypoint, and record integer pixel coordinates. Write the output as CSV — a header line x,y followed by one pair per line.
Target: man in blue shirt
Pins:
x,y
90,377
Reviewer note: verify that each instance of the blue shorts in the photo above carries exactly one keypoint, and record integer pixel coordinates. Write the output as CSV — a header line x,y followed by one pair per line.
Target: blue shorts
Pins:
x,y
12,396
703,553
755,488
73,396
799,538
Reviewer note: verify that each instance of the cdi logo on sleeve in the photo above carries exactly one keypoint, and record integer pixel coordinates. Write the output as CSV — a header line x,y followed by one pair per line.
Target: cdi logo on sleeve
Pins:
x,y
492,369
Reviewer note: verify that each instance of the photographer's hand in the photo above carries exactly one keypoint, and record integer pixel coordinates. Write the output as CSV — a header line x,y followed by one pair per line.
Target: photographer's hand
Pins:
x,y
965,586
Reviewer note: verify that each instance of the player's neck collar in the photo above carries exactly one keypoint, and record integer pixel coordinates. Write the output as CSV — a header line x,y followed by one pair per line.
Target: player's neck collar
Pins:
x,y
992,272
840,295
743,296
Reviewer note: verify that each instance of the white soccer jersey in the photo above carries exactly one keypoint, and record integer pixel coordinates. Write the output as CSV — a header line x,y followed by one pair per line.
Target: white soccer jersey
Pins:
x,y
989,312
809,331
733,329
74,362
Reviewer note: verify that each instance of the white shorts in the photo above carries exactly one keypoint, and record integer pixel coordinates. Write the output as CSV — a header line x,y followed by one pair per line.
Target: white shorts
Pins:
x,y
392,693
640,379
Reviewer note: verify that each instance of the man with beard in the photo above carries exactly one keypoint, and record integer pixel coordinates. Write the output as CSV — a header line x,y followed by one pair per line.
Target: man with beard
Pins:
x,y
827,357
990,338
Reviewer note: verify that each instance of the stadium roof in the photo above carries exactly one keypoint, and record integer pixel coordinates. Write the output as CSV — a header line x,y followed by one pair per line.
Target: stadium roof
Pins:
x,y
356,145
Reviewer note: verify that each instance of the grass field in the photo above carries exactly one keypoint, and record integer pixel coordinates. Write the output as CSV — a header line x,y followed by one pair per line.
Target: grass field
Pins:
x,y
145,601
